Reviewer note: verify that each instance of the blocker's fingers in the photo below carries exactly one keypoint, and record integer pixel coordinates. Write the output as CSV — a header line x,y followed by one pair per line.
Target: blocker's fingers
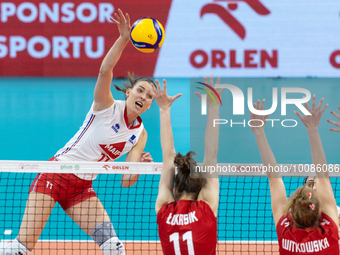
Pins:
x,y
334,123
177,96
198,94
299,115
218,80
335,115
164,85
262,104
313,102
319,105
307,107
220,91
323,109
205,79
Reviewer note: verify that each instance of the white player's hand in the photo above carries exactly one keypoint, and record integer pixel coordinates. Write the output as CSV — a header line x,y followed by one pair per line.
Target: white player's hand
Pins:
x,y
145,157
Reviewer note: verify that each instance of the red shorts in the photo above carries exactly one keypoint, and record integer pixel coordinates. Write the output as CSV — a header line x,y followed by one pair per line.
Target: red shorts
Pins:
x,y
66,189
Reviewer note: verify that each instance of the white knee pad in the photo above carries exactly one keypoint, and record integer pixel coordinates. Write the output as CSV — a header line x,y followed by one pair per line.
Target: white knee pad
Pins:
x,y
113,247
14,248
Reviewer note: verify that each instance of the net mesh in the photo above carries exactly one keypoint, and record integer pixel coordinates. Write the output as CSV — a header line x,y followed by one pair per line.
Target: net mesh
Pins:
x,y
245,222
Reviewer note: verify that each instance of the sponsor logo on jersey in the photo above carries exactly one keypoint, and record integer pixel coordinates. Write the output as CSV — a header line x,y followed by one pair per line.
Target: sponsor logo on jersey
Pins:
x,y
115,127
113,150
132,139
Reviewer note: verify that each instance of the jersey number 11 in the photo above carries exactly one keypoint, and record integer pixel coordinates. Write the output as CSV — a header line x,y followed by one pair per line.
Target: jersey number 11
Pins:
x,y
186,237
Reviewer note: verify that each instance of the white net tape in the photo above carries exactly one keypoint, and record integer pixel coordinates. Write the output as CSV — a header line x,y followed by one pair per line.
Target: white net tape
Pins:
x,y
156,168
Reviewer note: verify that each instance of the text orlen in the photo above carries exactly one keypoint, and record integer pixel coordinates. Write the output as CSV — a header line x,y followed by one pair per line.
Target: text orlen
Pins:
x,y
312,246
181,219
231,59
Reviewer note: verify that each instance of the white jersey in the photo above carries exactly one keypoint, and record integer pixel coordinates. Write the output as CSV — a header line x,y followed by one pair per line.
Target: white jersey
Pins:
x,y
104,136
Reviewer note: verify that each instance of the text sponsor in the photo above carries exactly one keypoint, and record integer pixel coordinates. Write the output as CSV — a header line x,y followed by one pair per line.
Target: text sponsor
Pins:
x,y
234,59
107,167
28,166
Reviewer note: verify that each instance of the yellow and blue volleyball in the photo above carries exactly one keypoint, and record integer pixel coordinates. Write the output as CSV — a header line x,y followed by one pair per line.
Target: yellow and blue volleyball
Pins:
x,y
147,35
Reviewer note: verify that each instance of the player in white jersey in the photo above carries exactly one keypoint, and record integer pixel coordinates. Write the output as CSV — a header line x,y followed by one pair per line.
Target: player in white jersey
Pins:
x,y
111,129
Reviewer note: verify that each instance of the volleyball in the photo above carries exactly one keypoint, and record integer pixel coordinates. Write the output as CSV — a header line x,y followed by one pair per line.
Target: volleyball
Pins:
x,y
147,34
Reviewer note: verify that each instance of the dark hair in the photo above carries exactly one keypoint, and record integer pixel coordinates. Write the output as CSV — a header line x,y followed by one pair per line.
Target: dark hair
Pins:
x,y
183,181
132,82
304,207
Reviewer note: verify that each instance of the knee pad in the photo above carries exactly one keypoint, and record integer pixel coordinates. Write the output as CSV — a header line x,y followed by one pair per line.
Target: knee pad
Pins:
x,y
103,232
113,247
106,238
13,248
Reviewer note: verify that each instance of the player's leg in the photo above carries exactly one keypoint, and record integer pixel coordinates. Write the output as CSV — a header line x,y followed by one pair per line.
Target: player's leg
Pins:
x,y
92,217
37,212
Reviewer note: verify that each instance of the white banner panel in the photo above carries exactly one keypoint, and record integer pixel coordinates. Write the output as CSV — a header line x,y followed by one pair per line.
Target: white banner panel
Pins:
x,y
251,38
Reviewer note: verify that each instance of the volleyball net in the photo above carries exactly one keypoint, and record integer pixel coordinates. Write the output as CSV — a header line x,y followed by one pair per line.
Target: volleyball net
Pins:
x,y
245,222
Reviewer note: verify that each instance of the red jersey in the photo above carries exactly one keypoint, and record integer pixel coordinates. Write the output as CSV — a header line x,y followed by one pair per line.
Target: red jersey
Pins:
x,y
187,227
322,240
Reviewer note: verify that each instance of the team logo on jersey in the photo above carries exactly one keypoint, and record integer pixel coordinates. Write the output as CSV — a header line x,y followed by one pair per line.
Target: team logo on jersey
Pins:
x,y
131,140
115,127
113,150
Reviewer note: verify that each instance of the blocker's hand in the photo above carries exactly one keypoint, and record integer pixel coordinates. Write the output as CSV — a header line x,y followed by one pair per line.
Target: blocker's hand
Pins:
x,y
163,100
337,124
258,121
210,101
312,121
